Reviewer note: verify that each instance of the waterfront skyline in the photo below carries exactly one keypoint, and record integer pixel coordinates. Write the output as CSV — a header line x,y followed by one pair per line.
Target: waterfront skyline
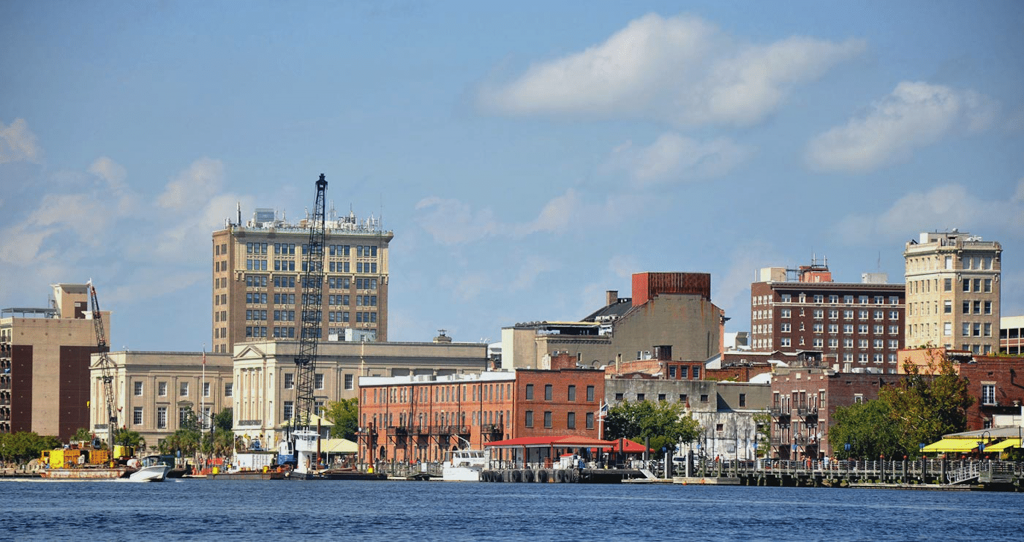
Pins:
x,y
527,160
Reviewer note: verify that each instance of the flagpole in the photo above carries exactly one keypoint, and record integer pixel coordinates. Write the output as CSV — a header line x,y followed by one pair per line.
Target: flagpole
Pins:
x,y
202,395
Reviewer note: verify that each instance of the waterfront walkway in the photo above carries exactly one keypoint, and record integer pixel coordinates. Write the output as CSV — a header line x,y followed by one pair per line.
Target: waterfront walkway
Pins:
x,y
985,474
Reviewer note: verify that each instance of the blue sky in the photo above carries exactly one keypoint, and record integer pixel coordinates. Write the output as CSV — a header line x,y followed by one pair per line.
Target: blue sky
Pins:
x,y
528,156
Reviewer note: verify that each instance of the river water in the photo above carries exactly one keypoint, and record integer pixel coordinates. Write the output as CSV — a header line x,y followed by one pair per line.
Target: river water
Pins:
x,y
326,510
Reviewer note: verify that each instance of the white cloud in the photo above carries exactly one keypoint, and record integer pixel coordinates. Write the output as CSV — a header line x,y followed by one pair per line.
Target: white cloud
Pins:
x,y
453,222
623,266
18,143
942,207
914,115
731,289
680,69
676,158
193,187
110,171
531,268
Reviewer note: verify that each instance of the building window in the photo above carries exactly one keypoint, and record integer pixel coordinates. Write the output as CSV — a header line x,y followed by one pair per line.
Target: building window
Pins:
x,y
161,389
529,419
289,409
671,371
547,419
529,393
318,380
183,413
161,417
590,394
570,420
289,381
704,398
137,416
641,397
138,389
947,285
206,389
988,394
572,393
183,391
547,392
590,420
349,382
229,389
618,396
696,373
743,399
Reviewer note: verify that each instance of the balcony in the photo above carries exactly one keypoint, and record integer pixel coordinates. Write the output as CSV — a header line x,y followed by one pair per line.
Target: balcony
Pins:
x,y
492,429
779,412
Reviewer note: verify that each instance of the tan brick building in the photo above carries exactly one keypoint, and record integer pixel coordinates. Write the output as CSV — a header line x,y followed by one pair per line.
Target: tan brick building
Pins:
x,y
153,389
265,376
953,292
257,288
44,364
669,311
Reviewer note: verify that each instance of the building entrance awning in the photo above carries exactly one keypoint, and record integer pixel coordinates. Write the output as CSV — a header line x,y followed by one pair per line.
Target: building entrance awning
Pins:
x,y
1000,446
951,445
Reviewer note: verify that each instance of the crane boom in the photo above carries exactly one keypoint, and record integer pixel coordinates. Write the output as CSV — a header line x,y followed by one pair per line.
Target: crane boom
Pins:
x,y
107,366
312,287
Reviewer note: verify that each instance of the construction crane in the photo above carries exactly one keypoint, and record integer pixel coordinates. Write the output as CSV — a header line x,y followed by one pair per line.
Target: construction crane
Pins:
x,y
305,439
312,288
106,365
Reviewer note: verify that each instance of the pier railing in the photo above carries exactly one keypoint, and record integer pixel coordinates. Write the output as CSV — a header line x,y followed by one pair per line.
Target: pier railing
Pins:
x,y
937,471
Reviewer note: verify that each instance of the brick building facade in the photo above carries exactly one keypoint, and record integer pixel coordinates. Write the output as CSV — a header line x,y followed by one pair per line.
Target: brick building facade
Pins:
x,y
854,325
804,400
413,419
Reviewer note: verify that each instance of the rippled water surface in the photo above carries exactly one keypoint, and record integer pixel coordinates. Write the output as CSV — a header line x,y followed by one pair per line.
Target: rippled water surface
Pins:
x,y
266,510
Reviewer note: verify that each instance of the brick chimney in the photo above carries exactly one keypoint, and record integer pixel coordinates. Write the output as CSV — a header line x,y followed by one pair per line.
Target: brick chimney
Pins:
x,y
611,297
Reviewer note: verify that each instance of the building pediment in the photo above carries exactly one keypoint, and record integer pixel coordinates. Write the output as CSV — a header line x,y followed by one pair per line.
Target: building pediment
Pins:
x,y
251,351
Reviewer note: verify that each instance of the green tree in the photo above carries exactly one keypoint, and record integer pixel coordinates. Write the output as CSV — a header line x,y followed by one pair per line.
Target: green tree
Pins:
x,y
665,424
763,434
870,430
224,419
23,446
187,439
929,402
82,435
344,414
127,437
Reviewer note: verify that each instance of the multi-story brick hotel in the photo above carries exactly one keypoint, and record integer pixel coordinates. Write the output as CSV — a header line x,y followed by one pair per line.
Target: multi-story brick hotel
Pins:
x,y
856,326
419,418
257,287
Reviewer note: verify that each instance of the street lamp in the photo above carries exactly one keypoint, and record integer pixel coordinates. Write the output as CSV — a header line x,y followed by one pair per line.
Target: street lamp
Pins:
x,y
981,444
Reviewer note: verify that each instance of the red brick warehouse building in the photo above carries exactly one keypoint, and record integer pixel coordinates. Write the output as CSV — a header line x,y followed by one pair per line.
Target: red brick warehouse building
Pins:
x,y
419,418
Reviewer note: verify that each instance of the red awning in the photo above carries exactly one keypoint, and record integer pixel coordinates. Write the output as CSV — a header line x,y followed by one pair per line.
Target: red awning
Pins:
x,y
630,447
561,441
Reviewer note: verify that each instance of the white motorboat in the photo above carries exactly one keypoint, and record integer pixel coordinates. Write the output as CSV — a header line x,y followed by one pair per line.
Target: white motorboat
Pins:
x,y
150,470
464,465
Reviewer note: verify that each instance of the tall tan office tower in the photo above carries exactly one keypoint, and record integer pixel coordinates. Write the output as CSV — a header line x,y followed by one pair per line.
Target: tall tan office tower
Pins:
x,y
257,270
953,291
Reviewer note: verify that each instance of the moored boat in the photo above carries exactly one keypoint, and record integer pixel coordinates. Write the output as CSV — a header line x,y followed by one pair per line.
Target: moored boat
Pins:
x,y
464,465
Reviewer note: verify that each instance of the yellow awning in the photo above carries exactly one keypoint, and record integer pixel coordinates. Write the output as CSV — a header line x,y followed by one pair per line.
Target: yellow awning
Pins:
x,y
1000,446
951,445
